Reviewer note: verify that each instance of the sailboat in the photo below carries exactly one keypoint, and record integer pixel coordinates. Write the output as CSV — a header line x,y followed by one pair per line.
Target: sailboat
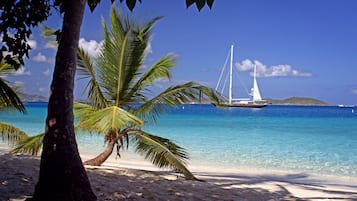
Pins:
x,y
255,102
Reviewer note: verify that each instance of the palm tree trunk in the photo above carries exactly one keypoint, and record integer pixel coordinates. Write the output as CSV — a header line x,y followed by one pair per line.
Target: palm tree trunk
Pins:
x,y
99,160
62,174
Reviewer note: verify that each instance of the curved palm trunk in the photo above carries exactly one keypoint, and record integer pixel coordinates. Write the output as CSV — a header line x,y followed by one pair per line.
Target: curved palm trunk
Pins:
x,y
99,160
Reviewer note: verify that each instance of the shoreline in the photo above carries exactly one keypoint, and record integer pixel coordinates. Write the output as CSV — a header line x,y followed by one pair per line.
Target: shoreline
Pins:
x,y
272,104
208,170
132,160
162,184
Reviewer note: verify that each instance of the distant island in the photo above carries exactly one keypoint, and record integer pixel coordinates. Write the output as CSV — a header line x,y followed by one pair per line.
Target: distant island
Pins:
x,y
288,101
33,98
297,101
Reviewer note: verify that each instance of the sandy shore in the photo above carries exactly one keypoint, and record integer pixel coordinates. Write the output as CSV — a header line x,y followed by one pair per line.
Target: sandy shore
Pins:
x,y
18,176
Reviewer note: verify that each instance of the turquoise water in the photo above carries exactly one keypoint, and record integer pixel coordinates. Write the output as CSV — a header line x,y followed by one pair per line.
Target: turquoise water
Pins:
x,y
306,139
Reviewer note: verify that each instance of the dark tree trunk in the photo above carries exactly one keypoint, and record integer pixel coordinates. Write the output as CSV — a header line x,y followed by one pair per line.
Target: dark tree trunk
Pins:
x,y
99,160
62,175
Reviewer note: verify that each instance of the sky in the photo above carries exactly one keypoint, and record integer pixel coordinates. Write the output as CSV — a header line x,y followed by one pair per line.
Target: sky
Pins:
x,y
300,47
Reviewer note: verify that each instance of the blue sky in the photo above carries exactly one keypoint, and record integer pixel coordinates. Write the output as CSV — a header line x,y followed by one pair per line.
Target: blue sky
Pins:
x,y
301,47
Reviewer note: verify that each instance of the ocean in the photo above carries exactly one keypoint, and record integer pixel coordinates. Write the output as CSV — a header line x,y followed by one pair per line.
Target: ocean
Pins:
x,y
307,139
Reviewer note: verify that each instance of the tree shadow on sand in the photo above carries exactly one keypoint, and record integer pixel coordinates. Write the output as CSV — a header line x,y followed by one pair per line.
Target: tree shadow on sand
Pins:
x,y
19,173
287,186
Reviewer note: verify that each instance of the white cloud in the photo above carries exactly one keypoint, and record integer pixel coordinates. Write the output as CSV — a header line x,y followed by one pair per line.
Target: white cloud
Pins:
x,y
51,45
47,72
32,44
246,65
42,89
22,71
19,83
92,46
40,57
354,91
148,49
283,70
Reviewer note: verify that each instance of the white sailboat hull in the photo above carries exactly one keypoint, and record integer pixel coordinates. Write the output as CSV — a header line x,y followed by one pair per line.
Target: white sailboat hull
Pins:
x,y
249,104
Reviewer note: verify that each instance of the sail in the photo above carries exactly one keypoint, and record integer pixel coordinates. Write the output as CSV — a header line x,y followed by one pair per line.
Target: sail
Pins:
x,y
255,90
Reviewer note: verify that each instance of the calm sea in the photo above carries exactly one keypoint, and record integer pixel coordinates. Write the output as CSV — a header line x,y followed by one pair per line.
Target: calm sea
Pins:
x,y
307,139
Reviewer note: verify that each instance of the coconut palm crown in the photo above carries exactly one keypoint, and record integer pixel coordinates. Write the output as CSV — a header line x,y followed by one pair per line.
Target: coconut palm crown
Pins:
x,y
119,95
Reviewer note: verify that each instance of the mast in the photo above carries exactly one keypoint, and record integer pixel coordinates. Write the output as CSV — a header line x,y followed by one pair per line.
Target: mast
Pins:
x,y
230,77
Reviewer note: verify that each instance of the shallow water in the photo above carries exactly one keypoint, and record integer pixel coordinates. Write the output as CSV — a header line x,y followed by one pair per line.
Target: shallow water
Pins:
x,y
319,140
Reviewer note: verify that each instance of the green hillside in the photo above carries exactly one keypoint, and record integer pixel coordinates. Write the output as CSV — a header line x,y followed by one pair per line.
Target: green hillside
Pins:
x,y
33,98
297,101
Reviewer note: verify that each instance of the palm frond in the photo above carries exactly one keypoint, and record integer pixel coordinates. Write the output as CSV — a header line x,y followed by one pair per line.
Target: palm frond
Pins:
x,y
105,120
162,152
209,95
141,38
174,96
114,71
8,97
144,32
119,25
5,69
30,145
85,70
112,61
51,35
11,134
160,70
122,57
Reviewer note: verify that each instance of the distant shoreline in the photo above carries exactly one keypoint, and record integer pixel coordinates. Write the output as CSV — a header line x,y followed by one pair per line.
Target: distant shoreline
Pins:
x,y
273,104
293,101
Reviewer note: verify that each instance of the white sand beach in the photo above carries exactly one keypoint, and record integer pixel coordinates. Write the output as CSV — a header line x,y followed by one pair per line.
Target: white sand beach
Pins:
x,y
137,180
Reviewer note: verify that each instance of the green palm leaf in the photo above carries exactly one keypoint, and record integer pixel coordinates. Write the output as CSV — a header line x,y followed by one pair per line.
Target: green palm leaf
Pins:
x,y
31,145
8,97
112,66
162,152
85,69
174,96
136,57
118,64
160,70
105,120
122,58
11,134
52,35
209,95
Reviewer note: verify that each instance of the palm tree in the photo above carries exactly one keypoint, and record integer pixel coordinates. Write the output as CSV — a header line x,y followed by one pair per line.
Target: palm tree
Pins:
x,y
117,82
9,100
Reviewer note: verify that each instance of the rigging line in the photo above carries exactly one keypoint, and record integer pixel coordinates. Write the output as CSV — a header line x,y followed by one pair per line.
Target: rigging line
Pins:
x,y
222,71
241,82
224,84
